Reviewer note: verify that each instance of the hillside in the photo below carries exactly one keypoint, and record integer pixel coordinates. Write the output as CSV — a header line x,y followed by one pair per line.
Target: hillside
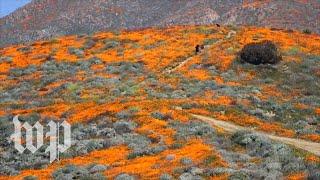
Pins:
x,y
130,96
43,19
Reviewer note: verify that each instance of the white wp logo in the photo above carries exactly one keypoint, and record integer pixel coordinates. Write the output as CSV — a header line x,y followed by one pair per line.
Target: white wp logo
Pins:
x,y
54,148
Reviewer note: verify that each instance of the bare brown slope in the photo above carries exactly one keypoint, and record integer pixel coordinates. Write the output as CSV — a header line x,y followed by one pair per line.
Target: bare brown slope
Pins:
x,y
43,19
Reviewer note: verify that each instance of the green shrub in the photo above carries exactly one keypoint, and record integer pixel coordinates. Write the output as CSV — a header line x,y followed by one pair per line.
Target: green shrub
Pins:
x,y
307,31
209,41
110,44
293,51
265,52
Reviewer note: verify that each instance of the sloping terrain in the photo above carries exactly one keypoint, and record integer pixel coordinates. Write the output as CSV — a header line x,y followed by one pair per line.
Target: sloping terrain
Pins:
x,y
116,91
43,19
311,147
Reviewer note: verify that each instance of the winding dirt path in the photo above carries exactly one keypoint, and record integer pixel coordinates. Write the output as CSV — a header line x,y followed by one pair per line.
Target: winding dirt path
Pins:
x,y
311,147
169,70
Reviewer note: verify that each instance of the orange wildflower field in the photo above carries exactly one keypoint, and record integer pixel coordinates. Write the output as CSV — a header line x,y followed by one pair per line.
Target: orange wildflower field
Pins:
x,y
129,97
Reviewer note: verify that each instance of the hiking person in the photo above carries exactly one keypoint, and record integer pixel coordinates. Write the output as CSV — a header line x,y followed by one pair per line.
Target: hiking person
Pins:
x,y
198,49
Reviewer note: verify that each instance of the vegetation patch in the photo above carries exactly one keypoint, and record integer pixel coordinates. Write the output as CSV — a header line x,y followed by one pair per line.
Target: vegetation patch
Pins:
x,y
265,52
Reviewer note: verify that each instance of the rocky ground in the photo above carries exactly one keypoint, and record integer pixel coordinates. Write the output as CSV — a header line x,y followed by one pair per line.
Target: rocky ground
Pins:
x,y
46,19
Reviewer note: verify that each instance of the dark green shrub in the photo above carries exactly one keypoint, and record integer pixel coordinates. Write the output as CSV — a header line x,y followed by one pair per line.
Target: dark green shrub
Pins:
x,y
307,31
265,52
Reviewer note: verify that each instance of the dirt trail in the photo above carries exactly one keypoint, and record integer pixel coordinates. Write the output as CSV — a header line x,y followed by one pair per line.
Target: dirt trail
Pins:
x,y
179,65
311,147
182,63
170,70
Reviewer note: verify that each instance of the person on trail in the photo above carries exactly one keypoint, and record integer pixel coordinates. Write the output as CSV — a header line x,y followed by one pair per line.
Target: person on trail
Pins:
x,y
198,49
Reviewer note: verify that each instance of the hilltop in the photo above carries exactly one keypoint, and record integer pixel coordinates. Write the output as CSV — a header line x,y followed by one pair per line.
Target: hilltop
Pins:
x,y
130,96
44,19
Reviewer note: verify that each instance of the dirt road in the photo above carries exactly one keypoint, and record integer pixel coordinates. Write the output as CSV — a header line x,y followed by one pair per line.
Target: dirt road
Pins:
x,y
311,147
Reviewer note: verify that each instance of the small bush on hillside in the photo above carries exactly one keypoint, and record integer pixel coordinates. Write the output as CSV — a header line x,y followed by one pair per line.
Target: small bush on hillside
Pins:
x,y
5,59
124,176
30,178
122,126
265,52
239,175
79,172
89,43
307,31
24,49
192,129
166,177
294,51
17,72
161,116
209,41
75,51
110,44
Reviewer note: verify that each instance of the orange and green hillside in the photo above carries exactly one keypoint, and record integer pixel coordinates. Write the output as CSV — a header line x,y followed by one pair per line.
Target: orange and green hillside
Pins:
x,y
129,97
